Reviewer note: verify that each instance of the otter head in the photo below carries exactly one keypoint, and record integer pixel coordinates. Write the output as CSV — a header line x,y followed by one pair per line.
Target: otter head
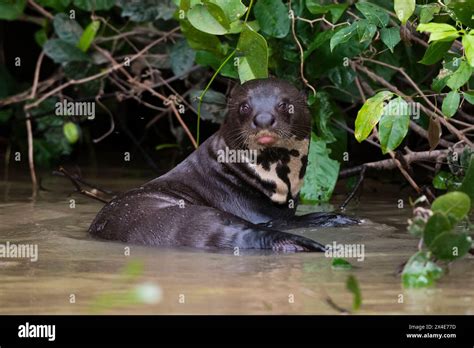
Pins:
x,y
270,117
266,113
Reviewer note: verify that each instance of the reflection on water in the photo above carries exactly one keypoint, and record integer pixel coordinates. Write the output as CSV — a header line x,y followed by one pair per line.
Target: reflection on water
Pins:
x,y
71,265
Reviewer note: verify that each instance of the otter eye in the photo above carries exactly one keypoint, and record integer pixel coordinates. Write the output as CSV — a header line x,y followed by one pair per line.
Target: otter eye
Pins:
x,y
283,106
244,109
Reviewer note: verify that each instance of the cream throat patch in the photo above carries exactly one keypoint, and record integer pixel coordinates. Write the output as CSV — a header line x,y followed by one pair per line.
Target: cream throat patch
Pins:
x,y
282,168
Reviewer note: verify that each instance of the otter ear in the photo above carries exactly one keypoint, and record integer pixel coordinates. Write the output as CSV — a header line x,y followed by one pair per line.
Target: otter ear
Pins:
x,y
303,94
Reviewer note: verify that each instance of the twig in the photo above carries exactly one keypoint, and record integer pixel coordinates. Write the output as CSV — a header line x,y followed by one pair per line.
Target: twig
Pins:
x,y
81,181
421,131
78,187
34,88
31,159
145,154
31,19
39,9
361,91
348,129
29,130
436,112
389,164
413,125
153,92
400,167
186,129
322,19
354,190
112,122
203,93
293,31
98,75
394,89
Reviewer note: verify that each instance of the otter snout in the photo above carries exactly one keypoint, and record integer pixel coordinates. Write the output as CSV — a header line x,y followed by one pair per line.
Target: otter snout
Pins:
x,y
263,120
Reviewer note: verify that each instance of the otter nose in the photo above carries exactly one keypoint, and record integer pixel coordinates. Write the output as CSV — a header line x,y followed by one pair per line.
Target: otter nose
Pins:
x,y
263,120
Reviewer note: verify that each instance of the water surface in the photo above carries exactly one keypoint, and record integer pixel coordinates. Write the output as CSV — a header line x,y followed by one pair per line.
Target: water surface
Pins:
x,y
256,282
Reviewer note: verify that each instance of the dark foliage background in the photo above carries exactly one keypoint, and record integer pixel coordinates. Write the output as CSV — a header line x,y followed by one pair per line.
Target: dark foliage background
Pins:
x,y
146,64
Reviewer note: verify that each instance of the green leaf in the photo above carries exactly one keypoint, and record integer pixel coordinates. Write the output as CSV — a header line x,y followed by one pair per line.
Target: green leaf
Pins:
x,y
453,203
341,76
439,31
321,173
209,18
71,132
394,124
449,246
67,29
213,107
451,103
370,114
460,77
343,35
322,112
53,144
435,52
428,11
467,185
11,9
340,264
252,52
81,69
374,13
182,57
438,223
468,44
469,97
58,5
338,148
336,10
233,9
365,30
439,83
404,9
465,158
462,11
147,10
390,37
353,286
318,40
445,180
88,36
199,40
47,106
94,5
416,227
41,37
272,16
420,271
210,59
62,52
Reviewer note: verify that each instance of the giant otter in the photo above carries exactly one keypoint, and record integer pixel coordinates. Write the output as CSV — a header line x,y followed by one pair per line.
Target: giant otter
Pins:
x,y
213,200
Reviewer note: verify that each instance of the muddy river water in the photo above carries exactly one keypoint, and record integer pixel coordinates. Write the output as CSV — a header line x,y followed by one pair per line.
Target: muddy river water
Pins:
x,y
75,274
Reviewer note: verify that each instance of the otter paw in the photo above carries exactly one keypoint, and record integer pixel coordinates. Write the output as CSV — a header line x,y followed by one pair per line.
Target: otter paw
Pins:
x,y
297,244
287,246
327,220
